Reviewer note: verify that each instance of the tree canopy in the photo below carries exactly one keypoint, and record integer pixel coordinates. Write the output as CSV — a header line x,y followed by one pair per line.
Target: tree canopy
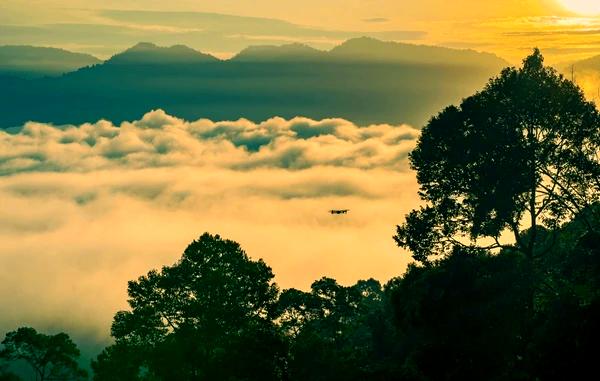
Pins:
x,y
464,318
523,153
51,357
205,317
7,375
338,332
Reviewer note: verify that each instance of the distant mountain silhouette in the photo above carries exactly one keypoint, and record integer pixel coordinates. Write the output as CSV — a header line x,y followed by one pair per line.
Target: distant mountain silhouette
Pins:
x,y
31,61
370,49
588,64
148,53
586,74
364,80
290,52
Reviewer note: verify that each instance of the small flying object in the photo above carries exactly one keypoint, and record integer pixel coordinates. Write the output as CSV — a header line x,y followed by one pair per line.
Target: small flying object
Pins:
x,y
339,211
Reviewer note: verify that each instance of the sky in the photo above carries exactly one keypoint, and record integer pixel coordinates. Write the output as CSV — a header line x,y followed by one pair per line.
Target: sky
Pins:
x,y
566,30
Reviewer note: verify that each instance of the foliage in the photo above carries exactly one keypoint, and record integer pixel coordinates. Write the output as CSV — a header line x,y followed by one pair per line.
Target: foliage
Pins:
x,y
51,357
564,342
526,147
523,152
464,317
337,332
6,375
206,317
568,260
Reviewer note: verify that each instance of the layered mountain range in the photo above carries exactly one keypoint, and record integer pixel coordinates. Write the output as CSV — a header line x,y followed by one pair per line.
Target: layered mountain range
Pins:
x,y
363,79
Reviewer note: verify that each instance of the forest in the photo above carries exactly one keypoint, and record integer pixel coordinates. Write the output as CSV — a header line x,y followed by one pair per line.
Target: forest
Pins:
x,y
504,284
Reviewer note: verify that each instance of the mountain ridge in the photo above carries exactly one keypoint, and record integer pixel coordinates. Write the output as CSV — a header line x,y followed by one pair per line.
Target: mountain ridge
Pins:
x,y
408,85
38,61
360,48
151,53
364,48
370,48
287,51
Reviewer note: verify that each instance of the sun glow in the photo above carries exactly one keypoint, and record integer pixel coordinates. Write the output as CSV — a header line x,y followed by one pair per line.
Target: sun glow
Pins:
x,y
584,7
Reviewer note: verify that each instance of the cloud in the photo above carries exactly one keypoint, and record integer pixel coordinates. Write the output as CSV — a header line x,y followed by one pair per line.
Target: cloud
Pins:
x,y
106,32
566,32
84,209
160,140
376,20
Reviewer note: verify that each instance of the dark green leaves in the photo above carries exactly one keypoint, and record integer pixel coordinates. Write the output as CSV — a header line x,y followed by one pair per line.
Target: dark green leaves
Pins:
x,y
198,319
522,151
51,357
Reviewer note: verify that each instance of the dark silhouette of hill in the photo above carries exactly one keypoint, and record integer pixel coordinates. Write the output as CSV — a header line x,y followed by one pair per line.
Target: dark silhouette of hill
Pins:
x,y
588,64
586,73
370,49
364,80
289,52
146,53
32,61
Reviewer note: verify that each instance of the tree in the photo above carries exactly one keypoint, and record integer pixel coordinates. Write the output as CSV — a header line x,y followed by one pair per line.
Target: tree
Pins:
x,y
566,330
520,155
564,341
51,357
462,319
337,332
120,362
207,317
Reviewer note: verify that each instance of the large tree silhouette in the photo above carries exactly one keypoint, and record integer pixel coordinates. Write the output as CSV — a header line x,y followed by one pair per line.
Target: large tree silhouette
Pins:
x,y
520,155
51,357
207,317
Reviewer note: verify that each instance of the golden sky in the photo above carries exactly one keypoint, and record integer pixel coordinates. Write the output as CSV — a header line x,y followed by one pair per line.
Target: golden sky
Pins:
x,y
509,28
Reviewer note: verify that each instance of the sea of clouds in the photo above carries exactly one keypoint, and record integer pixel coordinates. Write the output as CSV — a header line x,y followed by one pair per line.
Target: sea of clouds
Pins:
x,y
84,209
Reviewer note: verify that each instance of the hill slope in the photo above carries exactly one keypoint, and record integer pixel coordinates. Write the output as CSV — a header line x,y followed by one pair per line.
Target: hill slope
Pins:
x,y
147,53
586,74
364,80
370,49
31,61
